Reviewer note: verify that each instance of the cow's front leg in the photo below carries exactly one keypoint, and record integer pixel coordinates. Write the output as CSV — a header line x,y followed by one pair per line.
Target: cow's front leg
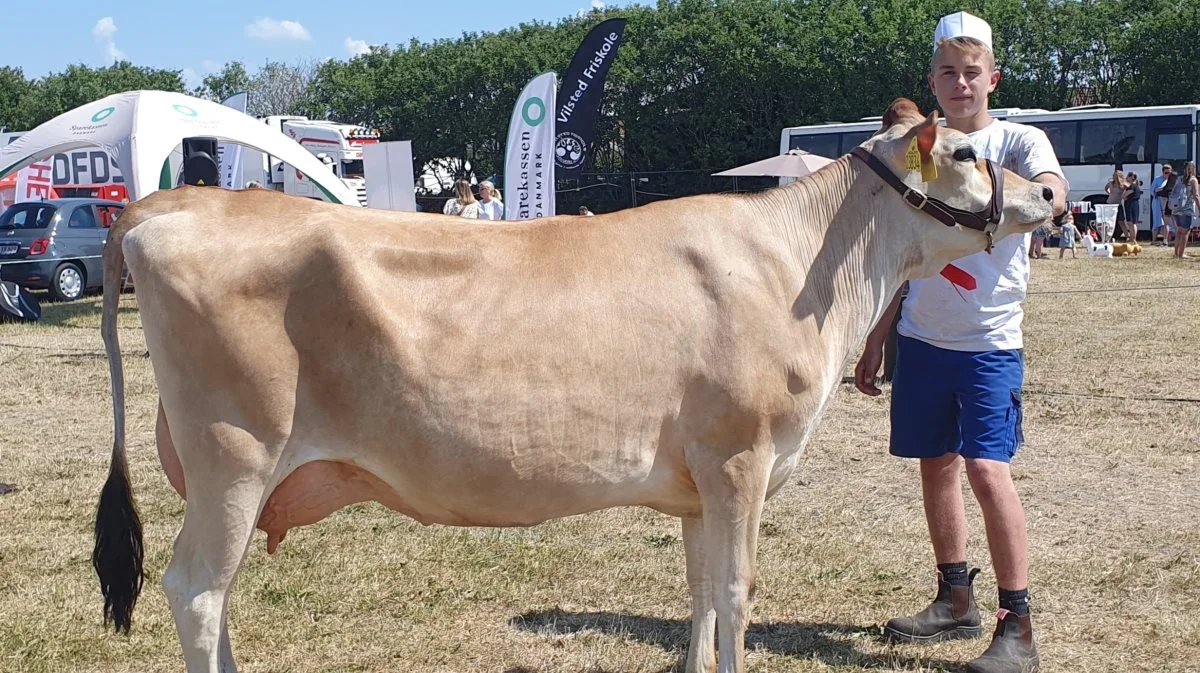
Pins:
x,y
732,487
701,656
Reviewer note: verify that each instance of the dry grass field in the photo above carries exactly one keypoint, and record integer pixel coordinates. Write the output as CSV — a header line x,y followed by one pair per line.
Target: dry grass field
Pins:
x,y
1109,478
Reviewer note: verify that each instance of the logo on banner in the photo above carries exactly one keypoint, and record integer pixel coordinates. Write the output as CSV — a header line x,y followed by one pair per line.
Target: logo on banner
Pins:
x,y
103,114
569,149
534,103
184,110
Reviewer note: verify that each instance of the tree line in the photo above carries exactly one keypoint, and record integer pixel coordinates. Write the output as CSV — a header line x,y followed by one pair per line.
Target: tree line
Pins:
x,y
698,85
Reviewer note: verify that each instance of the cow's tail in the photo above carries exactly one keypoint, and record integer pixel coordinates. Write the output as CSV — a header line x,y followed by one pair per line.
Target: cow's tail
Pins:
x,y
117,556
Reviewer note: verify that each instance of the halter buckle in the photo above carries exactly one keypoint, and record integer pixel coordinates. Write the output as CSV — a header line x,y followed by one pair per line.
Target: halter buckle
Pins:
x,y
918,205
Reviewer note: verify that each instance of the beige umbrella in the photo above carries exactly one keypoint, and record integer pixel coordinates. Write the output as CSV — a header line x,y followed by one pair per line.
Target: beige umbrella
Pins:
x,y
794,164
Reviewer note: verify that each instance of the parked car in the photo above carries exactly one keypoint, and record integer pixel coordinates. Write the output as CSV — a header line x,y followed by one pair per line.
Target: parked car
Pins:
x,y
56,244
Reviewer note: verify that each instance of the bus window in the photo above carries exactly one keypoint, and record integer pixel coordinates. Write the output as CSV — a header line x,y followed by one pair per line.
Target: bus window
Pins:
x,y
1172,148
824,145
853,139
1064,136
1113,141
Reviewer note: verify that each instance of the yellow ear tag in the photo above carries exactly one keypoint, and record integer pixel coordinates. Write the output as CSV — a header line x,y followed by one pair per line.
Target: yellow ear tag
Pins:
x,y
928,171
912,158
914,162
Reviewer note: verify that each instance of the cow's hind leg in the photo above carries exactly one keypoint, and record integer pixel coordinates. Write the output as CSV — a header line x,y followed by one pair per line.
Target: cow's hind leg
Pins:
x,y
701,657
218,526
732,486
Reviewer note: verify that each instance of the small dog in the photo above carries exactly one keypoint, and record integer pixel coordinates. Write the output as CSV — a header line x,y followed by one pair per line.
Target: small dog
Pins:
x,y
1124,249
1095,249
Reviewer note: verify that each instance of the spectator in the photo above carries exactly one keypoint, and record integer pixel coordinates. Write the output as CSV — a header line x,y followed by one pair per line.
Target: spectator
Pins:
x,y
1165,192
463,204
1186,205
1038,242
1067,238
1133,206
1157,203
583,210
1116,196
490,206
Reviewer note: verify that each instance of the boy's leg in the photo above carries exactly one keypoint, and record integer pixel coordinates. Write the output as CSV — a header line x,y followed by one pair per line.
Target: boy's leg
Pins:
x,y
992,432
925,426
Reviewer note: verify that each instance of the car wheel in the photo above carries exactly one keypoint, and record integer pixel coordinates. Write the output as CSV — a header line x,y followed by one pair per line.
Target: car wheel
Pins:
x,y
68,282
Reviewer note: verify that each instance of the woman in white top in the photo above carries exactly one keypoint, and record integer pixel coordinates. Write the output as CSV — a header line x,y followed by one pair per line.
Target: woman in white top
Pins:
x,y
463,204
490,206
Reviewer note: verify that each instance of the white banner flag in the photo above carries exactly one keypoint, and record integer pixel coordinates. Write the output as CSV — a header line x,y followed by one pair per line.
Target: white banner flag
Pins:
x,y
35,181
229,157
529,154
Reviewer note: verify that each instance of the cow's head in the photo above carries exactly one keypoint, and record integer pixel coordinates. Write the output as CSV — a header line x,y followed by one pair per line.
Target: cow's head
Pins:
x,y
929,161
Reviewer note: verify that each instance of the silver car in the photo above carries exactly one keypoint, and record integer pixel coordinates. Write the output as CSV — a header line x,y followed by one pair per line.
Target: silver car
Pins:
x,y
56,244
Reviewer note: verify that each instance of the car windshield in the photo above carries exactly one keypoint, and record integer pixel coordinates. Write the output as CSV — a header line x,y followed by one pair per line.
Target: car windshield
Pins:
x,y
352,168
28,216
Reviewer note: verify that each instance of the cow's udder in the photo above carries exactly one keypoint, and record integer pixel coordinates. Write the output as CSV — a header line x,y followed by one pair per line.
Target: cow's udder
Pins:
x,y
314,491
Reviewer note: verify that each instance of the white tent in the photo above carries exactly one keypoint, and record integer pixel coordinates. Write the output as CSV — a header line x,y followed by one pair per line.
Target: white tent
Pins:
x,y
794,164
140,129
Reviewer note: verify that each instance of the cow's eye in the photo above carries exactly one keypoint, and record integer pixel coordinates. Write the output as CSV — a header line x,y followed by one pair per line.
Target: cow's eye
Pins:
x,y
964,154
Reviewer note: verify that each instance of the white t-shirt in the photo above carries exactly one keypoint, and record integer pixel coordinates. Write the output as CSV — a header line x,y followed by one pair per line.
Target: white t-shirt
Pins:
x,y
989,317
492,210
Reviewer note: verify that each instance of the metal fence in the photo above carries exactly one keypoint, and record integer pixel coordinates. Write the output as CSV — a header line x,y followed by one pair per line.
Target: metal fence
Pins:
x,y
609,192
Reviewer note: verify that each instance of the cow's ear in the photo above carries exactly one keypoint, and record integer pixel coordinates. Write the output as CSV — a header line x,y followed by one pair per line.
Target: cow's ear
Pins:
x,y
927,136
919,156
901,108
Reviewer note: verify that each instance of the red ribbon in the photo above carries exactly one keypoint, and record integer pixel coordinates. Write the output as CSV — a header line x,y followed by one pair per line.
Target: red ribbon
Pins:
x,y
958,277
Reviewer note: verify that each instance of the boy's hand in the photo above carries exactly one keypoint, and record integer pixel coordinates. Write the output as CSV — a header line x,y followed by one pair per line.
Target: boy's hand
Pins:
x,y
867,369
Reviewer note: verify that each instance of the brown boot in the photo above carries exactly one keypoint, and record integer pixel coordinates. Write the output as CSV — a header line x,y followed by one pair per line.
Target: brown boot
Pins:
x,y
952,615
1012,649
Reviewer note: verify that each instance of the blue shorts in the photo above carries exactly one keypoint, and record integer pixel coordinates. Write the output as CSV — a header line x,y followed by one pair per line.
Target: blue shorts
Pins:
x,y
946,401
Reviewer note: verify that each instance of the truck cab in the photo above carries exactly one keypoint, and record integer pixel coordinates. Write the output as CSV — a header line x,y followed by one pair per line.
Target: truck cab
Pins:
x,y
338,146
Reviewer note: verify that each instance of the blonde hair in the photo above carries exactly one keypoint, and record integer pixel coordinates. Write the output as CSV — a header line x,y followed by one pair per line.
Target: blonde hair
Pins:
x,y
462,192
968,46
487,184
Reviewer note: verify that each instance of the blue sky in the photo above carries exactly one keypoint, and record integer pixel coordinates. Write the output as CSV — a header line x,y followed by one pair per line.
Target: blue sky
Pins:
x,y
199,37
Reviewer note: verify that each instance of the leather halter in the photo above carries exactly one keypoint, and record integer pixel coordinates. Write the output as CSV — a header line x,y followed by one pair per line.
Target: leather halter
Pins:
x,y
986,220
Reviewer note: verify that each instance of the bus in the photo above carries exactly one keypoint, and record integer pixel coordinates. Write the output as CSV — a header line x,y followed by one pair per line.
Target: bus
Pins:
x,y
1091,141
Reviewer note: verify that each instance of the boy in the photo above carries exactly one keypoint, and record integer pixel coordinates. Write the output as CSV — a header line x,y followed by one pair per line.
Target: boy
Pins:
x,y
956,392
1067,238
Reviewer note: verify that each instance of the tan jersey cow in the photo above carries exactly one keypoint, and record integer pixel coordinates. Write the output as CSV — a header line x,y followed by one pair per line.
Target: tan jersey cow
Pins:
x,y
675,356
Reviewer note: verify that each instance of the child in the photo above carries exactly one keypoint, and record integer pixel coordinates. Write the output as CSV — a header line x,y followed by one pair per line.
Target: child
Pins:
x,y
1069,234
956,392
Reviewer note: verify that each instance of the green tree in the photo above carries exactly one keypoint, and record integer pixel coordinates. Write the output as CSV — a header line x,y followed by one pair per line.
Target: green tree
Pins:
x,y
13,90
81,84
229,80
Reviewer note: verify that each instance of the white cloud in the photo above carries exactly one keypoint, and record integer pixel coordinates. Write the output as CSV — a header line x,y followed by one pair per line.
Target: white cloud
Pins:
x,y
191,78
266,28
103,31
209,65
356,47
596,6
104,28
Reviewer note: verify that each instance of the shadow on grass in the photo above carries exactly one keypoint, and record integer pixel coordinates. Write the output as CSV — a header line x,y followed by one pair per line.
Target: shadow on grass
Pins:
x,y
832,644
83,313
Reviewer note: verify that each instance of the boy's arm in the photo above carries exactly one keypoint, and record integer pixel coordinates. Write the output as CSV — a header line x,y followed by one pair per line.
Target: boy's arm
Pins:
x,y
869,363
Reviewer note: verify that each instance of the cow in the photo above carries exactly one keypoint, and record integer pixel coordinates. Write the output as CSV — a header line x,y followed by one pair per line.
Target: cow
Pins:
x,y
675,356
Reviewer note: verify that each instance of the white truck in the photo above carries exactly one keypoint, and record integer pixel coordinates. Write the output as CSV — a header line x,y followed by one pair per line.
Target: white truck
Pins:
x,y
338,146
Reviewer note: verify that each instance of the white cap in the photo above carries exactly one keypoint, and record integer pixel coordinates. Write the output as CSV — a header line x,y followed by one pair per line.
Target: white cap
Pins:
x,y
962,24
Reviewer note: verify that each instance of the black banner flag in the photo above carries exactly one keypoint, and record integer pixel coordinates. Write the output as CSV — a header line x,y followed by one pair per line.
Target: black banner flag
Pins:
x,y
579,96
